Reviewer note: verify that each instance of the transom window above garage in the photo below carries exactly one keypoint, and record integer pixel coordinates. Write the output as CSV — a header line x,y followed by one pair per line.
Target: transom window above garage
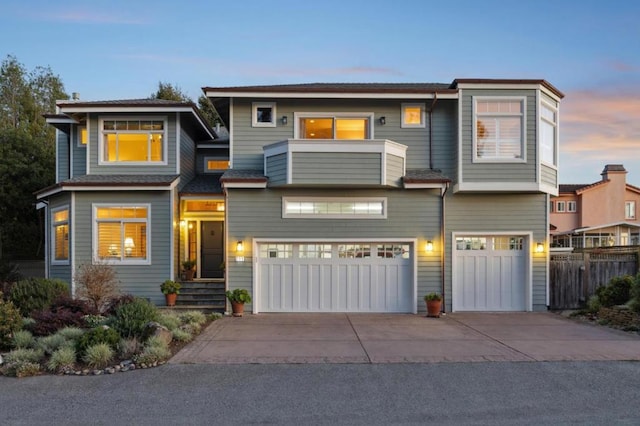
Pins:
x,y
334,208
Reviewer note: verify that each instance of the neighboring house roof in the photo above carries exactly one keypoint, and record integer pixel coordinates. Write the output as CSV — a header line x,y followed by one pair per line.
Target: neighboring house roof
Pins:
x,y
425,176
203,184
579,188
110,181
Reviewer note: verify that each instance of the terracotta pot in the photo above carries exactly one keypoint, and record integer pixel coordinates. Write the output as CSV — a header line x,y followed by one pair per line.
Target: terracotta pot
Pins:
x,y
237,308
433,308
188,274
171,299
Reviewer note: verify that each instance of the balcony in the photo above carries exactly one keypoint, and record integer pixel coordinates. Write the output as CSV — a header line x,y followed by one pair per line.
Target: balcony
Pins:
x,y
327,162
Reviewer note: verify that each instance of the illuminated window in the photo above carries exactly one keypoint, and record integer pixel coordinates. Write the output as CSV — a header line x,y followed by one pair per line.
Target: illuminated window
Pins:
x,y
335,127
263,114
60,237
203,206
214,165
413,115
334,208
121,233
82,135
139,141
499,129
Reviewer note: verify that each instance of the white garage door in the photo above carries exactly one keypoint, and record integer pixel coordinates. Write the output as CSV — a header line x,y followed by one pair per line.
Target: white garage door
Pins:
x,y
490,273
335,277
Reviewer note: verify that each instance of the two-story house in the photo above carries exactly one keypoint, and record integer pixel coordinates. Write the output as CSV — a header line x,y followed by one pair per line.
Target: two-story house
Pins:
x,y
337,197
598,214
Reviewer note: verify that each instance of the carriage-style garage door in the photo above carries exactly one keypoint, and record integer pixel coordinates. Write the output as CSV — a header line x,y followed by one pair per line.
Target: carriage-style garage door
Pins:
x,y
335,277
490,273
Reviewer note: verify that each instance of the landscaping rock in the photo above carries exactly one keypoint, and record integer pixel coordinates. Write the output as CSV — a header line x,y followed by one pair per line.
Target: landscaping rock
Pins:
x,y
1,360
154,329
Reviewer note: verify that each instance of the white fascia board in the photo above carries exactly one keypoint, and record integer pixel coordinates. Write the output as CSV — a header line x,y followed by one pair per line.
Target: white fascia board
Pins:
x,y
336,95
49,193
497,187
549,189
249,185
530,86
124,109
61,120
425,185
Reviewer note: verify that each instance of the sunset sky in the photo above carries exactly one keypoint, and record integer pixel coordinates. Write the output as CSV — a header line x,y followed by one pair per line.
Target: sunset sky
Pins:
x,y
590,50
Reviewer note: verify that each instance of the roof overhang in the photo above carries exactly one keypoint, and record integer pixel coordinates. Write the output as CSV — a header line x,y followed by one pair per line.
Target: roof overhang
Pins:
x,y
440,94
106,186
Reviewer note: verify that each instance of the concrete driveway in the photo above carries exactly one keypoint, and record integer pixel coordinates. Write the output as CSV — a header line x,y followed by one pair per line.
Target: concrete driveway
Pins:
x,y
400,338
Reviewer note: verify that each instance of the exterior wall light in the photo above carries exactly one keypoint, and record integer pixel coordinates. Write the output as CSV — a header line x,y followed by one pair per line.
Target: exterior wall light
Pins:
x,y
240,251
383,120
540,248
284,120
429,246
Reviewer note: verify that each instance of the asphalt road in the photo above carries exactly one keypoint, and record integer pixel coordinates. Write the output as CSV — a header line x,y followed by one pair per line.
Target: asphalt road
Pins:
x,y
467,393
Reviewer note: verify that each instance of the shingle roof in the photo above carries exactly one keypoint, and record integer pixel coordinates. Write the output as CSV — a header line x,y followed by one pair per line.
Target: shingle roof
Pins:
x,y
203,184
425,176
614,168
571,187
120,180
126,103
243,176
339,87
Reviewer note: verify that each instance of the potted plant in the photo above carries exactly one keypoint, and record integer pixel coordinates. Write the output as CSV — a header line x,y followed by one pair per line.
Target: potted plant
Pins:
x,y
171,290
189,269
238,298
434,304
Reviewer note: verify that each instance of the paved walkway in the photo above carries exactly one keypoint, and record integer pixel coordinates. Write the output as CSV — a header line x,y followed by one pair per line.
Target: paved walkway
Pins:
x,y
398,338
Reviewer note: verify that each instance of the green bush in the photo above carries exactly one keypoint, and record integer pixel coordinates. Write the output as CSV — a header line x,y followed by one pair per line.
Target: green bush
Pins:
x,y
71,333
129,347
98,356
593,304
36,294
616,292
50,344
63,358
155,350
169,320
102,334
22,339
95,320
10,322
634,294
24,355
130,319
193,317
182,335
23,369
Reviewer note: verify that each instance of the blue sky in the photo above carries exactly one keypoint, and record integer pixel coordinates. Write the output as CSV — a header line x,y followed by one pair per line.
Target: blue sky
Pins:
x,y
590,50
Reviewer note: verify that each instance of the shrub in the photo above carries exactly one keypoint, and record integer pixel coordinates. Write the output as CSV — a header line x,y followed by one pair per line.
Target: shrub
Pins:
x,y
593,304
98,356
130,319
214,316
93,321
62,359
634,294
23,369
182,335
116,302
47,322
102,334
71,333
169,320
155,350
22,355
35,294
10,322
129,347
22,339
49,344
70,304
616,292
97,283
193,317
192,329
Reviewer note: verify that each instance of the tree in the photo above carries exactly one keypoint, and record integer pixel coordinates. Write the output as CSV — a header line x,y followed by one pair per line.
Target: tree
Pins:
x,y
208,111
169,92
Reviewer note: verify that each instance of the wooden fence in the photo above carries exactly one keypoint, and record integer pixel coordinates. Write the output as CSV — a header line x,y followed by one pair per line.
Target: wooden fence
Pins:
x,y
574,277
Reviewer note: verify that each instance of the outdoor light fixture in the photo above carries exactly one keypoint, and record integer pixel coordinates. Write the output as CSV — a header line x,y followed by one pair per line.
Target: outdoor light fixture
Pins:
x,y
284,120
383,120
540,248
429,246
240,251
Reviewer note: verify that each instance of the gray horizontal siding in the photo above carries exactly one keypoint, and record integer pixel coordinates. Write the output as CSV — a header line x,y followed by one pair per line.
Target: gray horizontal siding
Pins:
x,y
187,158
500,213
336,168
501,171
394,170
94,141
79,153
258,214
62,154
548,175
277,169
139,280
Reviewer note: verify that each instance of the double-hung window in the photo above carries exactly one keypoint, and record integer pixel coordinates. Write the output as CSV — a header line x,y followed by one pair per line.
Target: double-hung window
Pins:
x,y
60,237
571,206
560,206
630,210
498,133
334,126
121,233
133,141
548,133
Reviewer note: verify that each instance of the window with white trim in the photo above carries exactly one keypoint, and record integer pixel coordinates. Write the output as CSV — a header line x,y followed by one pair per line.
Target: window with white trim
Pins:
x,y
571,206
263,114
334,208
133,141
630,210
121,233
344,126
548,133
82,136
412,115
560,206
60,234
498,134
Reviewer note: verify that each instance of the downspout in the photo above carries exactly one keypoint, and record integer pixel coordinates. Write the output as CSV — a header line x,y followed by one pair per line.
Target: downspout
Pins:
x,y
442,244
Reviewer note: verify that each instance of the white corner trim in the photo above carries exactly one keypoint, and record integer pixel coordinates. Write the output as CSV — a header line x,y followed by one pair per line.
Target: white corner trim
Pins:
x,y
249,185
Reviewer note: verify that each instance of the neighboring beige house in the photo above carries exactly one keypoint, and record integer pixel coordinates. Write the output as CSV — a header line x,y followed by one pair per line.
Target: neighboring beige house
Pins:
x,y
599,214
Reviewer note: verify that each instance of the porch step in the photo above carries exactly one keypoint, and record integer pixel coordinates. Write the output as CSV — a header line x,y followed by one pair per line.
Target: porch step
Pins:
x,y
202,295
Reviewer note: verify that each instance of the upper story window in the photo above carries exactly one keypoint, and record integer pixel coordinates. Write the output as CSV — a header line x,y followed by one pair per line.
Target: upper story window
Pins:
x,y
413,115
121,233
499,130
548,133
133,141
630,210
82,135
334,126
263,114
212,165
60,234
334,208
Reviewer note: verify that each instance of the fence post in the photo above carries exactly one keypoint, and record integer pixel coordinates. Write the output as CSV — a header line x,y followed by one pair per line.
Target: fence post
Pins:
x,y
585,276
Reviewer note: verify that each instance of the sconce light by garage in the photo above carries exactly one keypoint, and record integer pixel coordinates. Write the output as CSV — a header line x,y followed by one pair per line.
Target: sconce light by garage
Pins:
x,y
240,251
428,247
540,248
383,120
284,120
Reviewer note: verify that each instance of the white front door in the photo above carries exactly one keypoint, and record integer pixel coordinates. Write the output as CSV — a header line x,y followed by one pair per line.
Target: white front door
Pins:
x,y
490,273
335,277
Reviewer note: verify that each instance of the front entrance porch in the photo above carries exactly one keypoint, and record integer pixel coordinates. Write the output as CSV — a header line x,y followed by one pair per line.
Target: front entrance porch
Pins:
x,y
202,236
